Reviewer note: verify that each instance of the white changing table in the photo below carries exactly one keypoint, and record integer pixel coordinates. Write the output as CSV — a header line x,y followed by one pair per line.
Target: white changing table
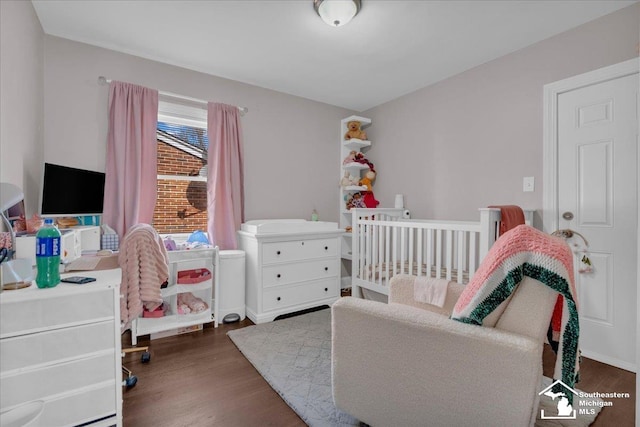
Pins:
x,y
291,265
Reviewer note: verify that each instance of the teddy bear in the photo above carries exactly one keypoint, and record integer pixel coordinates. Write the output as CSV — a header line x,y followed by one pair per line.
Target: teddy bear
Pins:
x,y
367,181
354,131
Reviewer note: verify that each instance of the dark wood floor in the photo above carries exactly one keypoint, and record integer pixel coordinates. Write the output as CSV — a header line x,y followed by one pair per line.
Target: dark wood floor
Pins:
x,y
596,376
201,379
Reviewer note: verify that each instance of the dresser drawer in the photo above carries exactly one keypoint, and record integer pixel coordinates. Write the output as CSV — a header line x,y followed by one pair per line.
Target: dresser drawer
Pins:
x,y
298,250
45,381
56,345
51,312
82,407
286,274
285,296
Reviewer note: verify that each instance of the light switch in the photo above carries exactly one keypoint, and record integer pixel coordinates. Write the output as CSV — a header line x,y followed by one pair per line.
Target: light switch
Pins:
x,y
528,184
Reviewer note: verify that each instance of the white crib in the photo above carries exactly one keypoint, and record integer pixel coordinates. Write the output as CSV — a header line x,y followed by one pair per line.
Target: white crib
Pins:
x,y
385,244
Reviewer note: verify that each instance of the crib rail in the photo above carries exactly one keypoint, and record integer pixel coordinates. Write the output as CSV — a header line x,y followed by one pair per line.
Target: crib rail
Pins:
x,y
386,246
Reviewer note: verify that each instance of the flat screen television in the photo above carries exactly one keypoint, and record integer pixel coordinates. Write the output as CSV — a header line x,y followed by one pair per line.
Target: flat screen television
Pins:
x,y
69,191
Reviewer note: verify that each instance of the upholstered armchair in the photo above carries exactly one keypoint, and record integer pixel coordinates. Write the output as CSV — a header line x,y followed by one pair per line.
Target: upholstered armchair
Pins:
x,y
408,364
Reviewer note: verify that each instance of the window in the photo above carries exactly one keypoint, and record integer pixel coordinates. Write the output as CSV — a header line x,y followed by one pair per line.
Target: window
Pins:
x,y
182,168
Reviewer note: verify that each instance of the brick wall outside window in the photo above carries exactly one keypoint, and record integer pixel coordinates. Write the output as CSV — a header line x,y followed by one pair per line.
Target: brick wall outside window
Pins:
x,y
182,205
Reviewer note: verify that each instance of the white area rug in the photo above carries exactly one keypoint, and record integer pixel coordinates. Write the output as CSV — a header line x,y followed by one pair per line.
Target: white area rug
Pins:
x,y
294,357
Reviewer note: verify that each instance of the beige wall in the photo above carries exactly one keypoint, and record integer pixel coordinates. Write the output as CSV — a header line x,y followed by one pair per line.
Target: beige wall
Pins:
x,y
468,141
449,148
291,144
21,103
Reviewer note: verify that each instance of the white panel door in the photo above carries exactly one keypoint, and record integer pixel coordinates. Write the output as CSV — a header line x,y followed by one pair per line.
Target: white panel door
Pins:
x,y
597,185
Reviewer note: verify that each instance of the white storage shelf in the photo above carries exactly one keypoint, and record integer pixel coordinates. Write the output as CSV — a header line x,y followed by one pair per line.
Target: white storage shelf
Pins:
x,y
355,166
355,169
180,261
354,188
356,144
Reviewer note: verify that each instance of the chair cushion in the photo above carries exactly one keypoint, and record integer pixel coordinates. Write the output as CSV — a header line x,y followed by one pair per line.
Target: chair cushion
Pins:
x,y
529,310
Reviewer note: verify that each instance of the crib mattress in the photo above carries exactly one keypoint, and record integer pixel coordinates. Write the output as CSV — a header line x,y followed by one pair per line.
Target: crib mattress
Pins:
x,y
377,272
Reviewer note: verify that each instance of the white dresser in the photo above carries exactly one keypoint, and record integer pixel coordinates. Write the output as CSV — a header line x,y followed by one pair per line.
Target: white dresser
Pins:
x,y
291,265
61,346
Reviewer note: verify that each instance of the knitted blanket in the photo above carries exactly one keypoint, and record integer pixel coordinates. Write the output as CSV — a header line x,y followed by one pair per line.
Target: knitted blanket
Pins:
x,y
144,263
525,251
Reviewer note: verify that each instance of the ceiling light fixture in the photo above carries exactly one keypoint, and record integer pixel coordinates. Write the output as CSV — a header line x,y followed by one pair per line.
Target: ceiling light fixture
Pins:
x,y
337,12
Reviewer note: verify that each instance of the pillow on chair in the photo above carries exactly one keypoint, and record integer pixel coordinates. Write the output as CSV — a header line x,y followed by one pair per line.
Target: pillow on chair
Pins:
x,y
529,309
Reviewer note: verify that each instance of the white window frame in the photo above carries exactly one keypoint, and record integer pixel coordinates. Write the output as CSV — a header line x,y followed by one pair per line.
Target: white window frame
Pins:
x,y
183,113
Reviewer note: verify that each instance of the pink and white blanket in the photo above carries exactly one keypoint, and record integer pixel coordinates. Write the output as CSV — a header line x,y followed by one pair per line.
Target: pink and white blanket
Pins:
x,y
525,251
144,263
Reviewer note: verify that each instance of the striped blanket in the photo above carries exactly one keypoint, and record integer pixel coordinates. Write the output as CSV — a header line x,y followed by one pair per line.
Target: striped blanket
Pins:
x,y
525,251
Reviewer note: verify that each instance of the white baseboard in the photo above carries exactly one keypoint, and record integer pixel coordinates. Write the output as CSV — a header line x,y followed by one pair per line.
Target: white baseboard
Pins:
x,y
610,361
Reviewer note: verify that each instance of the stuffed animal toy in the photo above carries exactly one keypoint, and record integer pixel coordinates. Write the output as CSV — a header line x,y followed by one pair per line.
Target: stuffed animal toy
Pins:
x,y
579,246
183,309
354,131
355,201
360,158
351,158
346,180
369,200
367,181
192,303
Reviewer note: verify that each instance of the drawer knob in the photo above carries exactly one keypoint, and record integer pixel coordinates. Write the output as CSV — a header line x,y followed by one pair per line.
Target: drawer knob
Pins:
x,y
326,248
278,253
278,298
326,269
302,243
278,275
326,289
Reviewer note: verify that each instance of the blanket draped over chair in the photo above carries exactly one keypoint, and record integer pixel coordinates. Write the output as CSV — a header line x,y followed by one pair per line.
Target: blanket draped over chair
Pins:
x,y
525,251
144,263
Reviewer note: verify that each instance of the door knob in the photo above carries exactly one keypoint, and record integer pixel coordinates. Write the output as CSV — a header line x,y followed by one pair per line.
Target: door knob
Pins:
x,y
568,216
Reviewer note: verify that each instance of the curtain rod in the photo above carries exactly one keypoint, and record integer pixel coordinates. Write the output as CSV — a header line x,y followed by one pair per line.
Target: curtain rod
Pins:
x,y
102,80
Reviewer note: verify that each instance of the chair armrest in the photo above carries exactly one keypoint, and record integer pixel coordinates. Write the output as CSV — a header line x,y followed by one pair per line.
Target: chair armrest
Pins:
x,y
401,292
431,367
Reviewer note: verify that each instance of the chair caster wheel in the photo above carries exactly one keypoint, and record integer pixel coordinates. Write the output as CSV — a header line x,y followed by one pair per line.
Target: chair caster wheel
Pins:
x,y
146,357
131,381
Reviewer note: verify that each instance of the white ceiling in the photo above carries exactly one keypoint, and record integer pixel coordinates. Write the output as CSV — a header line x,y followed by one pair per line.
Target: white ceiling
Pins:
x,y
391,48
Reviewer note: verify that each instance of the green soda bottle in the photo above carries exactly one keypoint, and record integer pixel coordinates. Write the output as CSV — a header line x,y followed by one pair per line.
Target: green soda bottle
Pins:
x,y
48,255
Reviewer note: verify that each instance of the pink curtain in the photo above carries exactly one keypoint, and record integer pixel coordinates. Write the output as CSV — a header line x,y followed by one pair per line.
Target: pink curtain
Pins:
x,y
225,178
131,171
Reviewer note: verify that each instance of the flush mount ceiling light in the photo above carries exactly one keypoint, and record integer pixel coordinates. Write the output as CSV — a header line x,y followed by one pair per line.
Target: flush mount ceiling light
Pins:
x,y
336,12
